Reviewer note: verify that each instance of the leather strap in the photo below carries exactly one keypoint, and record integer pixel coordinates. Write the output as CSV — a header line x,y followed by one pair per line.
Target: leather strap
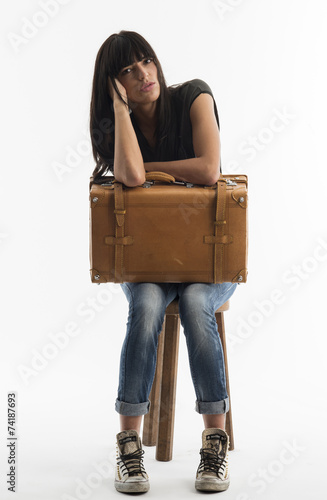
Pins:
x,y
119,231
159,176
219,239
220,224
119,204
111,240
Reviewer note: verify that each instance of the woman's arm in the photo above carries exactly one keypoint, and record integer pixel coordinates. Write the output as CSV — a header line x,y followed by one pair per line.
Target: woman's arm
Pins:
x,y
128,160
205,168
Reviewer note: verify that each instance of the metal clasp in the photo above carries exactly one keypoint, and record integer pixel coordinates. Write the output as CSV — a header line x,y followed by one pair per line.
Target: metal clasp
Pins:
x,y
108,183
183,183
147,184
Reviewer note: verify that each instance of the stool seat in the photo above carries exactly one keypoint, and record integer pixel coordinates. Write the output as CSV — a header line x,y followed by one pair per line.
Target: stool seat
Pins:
x,y
158,428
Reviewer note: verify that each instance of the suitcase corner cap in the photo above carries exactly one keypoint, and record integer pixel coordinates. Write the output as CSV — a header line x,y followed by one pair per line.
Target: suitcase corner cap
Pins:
x,y
241,277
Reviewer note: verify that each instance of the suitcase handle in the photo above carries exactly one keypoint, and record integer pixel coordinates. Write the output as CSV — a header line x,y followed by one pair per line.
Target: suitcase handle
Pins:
x,y
159,176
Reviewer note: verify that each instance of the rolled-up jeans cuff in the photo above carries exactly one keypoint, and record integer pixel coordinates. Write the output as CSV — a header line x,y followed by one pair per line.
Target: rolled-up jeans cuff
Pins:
x,y
213,407
132,409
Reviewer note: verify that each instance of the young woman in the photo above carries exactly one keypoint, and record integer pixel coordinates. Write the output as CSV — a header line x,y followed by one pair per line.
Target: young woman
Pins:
x,y
139,125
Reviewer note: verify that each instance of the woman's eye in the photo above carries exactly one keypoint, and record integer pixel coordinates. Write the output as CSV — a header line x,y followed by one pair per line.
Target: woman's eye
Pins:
x,y
147,61
126,71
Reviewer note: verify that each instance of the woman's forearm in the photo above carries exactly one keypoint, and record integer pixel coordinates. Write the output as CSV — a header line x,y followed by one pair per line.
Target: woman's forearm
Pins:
x,y
128,161
196,170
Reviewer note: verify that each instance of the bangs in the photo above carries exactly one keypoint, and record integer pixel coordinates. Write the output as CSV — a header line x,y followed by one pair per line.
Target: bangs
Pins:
x,y
125,50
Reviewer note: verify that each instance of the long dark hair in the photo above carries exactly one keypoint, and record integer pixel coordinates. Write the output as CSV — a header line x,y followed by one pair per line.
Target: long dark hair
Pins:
x,y
118,51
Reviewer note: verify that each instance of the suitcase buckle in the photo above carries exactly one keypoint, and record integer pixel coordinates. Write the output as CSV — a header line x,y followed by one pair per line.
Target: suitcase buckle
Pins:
x,y
230,182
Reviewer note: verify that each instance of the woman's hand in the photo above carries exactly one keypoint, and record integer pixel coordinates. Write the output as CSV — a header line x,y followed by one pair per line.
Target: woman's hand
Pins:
x,y
113,93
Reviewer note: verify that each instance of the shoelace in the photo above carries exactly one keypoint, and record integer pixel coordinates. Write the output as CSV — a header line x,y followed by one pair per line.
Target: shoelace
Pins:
x,y
132,463
211,462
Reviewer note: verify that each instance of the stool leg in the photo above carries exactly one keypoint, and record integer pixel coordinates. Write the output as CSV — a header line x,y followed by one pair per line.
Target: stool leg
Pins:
x,y
164,451
229,421
151,419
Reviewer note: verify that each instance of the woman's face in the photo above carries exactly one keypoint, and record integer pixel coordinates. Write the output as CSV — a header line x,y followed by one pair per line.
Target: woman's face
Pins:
x,y
141,81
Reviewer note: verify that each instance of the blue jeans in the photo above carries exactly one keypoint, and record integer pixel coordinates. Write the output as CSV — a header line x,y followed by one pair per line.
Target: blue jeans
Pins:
x,y
197,305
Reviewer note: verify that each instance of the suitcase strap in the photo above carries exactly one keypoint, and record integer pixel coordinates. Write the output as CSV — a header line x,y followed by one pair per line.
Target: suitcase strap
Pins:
x,y
220,224
219,239
120,240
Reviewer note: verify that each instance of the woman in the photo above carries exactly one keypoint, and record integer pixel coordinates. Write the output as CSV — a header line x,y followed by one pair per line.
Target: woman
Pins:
x,y
137,125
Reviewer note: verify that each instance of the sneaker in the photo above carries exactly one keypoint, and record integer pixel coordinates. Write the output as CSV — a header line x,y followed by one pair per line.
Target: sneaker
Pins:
x,y
212,473
130,473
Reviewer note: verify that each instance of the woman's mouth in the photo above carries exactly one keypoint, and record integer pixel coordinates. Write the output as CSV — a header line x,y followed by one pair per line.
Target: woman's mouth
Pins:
x,y
146,87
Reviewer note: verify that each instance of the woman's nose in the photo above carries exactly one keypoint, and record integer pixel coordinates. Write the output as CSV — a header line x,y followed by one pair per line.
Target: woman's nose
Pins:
x,y
142,72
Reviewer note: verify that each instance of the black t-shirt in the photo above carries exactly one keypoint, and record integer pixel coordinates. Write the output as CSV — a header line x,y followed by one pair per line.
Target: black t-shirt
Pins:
x,y
182,97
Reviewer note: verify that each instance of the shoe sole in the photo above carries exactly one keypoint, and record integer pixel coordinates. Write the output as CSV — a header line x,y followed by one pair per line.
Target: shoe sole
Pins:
x,y
207,485
129,487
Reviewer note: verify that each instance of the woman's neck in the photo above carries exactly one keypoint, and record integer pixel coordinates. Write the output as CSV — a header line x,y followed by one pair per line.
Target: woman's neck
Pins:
x,y
146,116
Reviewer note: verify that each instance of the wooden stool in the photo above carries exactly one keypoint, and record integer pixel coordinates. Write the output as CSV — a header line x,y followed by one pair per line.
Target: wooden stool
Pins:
x,y
158,427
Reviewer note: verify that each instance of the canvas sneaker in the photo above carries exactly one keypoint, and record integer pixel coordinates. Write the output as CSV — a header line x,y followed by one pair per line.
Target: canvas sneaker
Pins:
x,y
130,474
212,473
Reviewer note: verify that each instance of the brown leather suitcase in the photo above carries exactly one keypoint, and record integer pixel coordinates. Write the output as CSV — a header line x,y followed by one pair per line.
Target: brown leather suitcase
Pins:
x,y
169,231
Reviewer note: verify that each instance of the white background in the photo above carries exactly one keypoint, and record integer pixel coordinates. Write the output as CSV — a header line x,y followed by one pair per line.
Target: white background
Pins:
x,y
261,59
